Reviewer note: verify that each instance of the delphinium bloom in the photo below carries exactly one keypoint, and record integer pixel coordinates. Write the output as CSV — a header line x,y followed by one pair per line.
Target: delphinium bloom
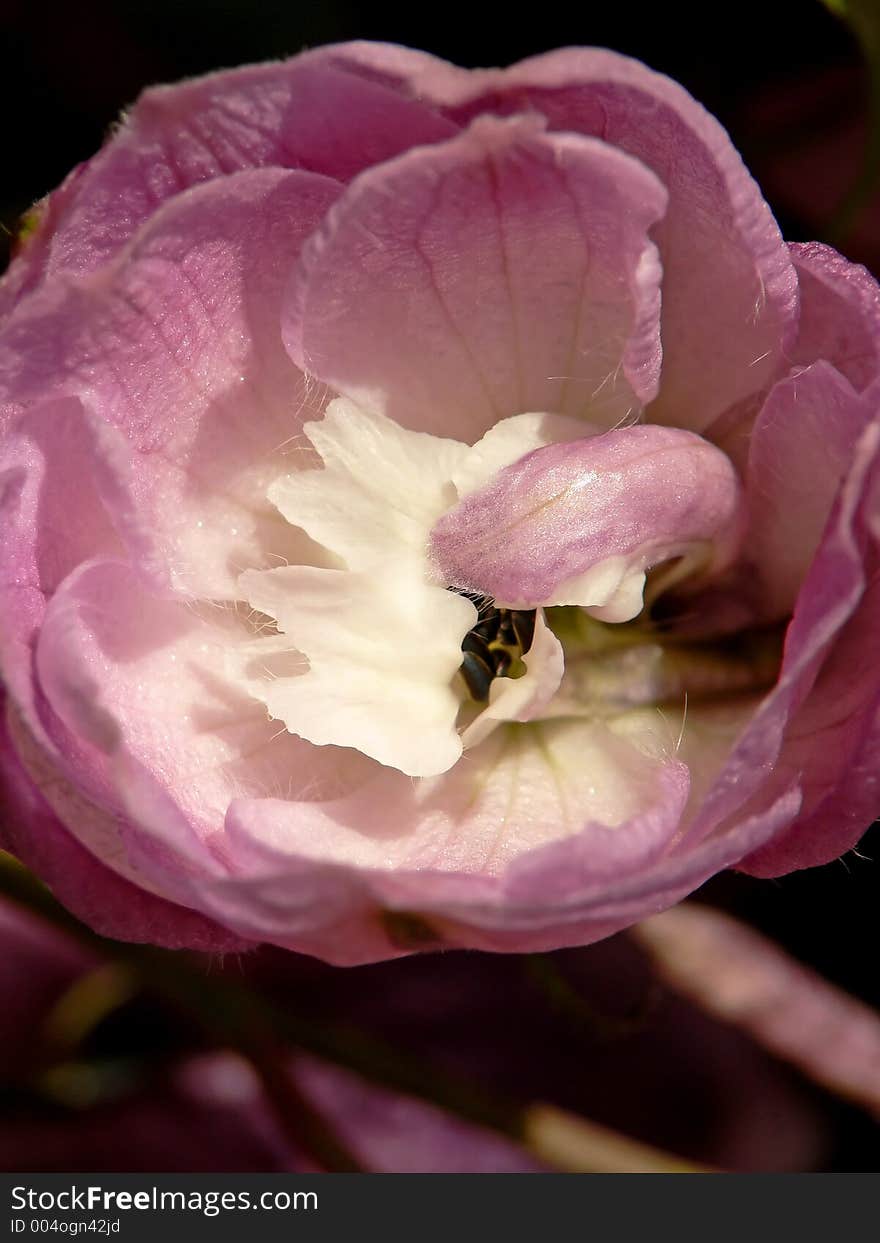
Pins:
x,y
439,509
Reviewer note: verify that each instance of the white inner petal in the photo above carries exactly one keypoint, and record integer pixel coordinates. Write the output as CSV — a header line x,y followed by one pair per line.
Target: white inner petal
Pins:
x,y
381,659
367,654
612,591
381,490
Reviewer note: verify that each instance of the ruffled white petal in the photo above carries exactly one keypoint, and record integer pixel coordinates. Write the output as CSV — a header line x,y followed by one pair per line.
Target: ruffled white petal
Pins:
x,y
612,591
381,489
382,653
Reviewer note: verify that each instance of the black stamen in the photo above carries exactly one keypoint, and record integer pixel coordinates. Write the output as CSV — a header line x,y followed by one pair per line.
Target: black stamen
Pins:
x,y
474,642
490,648
477,676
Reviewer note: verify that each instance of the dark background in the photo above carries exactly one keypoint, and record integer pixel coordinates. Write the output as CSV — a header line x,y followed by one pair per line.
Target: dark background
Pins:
x,y
785,78
783,75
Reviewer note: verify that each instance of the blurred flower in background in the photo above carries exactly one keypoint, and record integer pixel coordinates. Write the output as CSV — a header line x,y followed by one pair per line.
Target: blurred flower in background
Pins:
x,y
103,1069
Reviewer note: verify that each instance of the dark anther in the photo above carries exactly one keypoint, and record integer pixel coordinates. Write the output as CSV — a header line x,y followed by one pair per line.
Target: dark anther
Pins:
x,y
523,622
495,645
477,676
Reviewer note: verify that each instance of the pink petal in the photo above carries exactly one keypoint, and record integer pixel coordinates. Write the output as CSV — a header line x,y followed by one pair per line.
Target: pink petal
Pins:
x,y
507,270
832,743
729,288
315,870
335,912
303,113
111,905
840,313
60,471
831,600
741,978
801,446
52,517
405,70
400,1135
564,894
317,877
651,871
177,345
139,681
554,526
551,780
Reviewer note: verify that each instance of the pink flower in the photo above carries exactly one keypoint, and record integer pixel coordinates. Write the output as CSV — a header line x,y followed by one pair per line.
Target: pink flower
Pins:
x,y
440,510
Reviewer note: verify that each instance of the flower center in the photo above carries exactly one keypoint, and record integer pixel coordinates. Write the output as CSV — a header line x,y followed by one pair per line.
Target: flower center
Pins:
x,y
495,646
424,628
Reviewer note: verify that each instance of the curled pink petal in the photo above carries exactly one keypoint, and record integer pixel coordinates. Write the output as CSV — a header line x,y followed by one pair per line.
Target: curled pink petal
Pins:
x,y
801,446
840,313
796,719
832,740
581,522
115,907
